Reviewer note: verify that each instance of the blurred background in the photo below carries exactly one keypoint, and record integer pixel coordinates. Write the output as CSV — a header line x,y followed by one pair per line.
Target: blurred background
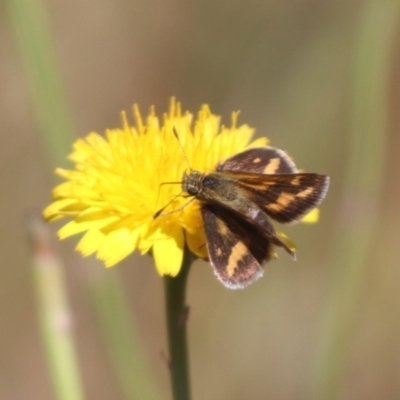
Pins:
x,y
320,79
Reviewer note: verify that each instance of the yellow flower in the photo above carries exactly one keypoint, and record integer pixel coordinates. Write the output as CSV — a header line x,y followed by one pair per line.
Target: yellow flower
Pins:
x,y
120,181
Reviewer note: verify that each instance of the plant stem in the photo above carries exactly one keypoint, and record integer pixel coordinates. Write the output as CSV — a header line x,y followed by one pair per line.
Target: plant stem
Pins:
x,y
176,313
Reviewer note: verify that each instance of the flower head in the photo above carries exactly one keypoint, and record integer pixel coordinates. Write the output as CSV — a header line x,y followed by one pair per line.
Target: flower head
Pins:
x,y
119,181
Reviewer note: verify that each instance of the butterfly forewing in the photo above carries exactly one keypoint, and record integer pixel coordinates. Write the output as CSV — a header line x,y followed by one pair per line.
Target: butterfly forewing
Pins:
x,y
287,197
271,181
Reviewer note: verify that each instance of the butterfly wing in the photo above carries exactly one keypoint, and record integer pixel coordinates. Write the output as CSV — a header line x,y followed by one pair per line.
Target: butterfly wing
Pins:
x,y
236,248
287,197
237,200
270,180
261,160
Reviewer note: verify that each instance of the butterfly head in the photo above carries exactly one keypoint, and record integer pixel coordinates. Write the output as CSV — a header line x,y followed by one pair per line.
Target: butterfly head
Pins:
x,y
192,182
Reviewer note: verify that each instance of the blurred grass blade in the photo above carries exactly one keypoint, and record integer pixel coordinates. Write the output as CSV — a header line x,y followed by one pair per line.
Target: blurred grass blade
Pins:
x,y
57,130
29,20
121,338
54,314
356,236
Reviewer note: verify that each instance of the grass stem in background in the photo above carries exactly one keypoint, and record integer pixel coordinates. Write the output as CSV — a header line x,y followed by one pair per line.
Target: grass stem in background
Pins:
x,y
356,234
121,337
29,20
30,23
54,314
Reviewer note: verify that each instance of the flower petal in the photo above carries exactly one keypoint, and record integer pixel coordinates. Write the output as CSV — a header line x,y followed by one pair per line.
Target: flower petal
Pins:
x,y
197,243
117,245
57,208
91,241
73,227
285,239
311,217
168,253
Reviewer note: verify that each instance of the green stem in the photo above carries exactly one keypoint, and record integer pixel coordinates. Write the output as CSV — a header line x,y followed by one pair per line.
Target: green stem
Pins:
x,y
176,312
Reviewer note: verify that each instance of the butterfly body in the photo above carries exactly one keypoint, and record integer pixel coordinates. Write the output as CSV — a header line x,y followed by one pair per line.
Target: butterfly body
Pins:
x,y
220,188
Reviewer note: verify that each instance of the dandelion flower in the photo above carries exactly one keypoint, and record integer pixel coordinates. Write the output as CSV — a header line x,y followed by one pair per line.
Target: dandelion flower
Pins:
x,y
120,180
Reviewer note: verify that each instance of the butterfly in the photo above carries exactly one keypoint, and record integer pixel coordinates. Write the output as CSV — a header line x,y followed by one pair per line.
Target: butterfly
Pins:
x,y
237,202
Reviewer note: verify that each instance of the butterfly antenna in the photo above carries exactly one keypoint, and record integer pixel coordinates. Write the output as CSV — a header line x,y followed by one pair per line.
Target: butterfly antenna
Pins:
x,y
158,213
180,145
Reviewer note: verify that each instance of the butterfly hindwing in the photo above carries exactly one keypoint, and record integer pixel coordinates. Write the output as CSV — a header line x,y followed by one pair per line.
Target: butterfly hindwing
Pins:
x,y
261,160
236,248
